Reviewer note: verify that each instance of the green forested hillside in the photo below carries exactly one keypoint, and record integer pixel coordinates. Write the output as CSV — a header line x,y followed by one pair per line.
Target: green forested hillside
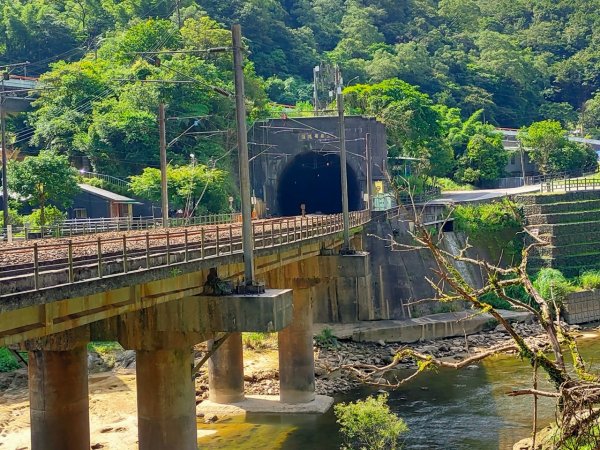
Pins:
x,y
437,72
519,60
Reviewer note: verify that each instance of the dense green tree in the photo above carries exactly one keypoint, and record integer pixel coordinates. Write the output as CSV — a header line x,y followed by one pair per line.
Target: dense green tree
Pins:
x,y
484,160
412,122
590,117
101,108
518,60
195,189
551,150
502,62
46,179
543,139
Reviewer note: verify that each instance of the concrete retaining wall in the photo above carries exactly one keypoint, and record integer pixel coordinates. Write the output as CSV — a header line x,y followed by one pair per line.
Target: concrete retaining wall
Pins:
x,y
582,307
399,278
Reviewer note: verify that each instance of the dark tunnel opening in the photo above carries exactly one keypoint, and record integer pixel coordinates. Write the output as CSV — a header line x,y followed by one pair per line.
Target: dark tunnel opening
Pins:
x,y
315,180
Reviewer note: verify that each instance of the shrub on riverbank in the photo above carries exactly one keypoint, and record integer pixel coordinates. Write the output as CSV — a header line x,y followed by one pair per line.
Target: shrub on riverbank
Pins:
x,y
478,220
590,279
369,424
492,227
516,292
552,285
7,361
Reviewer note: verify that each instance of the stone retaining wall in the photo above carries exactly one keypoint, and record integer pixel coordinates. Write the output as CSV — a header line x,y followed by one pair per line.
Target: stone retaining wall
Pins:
x,y
582,307
570,223
545,199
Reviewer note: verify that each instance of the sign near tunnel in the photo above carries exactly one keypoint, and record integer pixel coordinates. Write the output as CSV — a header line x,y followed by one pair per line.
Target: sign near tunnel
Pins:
x,y
296,161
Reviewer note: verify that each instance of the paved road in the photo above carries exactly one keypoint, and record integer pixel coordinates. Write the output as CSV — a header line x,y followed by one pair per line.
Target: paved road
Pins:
x,y
482,194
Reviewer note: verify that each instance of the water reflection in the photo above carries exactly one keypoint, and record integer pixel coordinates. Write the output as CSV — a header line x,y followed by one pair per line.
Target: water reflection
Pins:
x,y
447,409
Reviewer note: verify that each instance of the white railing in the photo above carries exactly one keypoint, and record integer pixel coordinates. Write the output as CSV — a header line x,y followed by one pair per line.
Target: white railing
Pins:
x,y
78,227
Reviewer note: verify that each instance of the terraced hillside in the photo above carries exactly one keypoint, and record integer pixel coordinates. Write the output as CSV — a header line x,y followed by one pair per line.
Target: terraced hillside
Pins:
x,y
570,222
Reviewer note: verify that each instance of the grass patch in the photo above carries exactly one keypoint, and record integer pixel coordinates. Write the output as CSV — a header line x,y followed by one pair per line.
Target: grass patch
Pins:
x,y
553,286
590,279
259,341
104,347
326,339
7,361
447,184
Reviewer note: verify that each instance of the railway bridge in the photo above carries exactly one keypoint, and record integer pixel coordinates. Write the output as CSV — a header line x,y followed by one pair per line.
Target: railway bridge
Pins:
x,y
153,291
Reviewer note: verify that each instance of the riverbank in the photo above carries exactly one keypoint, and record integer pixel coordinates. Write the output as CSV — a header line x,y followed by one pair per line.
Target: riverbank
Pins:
x,y
113,393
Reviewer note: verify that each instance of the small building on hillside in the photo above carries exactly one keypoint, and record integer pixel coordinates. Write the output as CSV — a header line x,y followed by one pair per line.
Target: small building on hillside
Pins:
x,y
520,163
94,202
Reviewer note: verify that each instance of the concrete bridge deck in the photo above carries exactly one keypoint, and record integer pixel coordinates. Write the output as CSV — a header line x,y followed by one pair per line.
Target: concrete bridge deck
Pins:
x,y
54,286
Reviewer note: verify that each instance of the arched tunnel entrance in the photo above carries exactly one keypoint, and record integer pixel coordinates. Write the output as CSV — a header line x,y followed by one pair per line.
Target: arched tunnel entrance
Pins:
x,y
315,180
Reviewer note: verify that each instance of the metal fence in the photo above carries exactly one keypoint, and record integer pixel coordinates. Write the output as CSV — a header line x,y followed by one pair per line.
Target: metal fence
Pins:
x,y
86,258
515,182
78,227
571,184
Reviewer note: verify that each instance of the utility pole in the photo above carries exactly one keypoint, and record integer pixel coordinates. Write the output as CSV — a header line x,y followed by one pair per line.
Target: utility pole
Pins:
x,y
316,70
244,164
344,175
369,174
178,13
522,162
164,197
4,157
4,160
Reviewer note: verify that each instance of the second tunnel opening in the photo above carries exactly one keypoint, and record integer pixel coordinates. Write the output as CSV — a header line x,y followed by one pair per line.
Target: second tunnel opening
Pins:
x,y
314,179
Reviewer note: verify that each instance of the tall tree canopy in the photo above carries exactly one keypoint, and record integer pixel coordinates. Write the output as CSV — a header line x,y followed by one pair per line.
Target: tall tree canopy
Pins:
x,y
514,59
46,179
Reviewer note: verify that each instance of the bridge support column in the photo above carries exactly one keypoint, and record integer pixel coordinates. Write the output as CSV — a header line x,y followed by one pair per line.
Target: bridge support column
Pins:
x,y
58,391
226,371
166,399
296,357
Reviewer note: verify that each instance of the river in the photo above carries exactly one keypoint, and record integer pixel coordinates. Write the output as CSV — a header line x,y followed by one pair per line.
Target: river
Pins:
x,y
447,409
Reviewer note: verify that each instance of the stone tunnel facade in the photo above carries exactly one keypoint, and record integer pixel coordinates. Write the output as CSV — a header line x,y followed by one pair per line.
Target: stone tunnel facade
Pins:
x,y
295,161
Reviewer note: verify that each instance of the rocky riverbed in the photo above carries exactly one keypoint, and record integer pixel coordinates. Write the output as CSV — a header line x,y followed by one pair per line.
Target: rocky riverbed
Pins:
x,y
262,375
113,417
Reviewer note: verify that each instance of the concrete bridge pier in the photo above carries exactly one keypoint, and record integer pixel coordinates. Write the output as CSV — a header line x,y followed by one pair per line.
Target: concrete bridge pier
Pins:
x,y
296,358
226,371
166,398
58,391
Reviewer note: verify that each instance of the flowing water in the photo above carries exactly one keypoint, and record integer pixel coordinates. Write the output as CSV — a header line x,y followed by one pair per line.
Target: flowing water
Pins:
x,y
454,243
451,410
